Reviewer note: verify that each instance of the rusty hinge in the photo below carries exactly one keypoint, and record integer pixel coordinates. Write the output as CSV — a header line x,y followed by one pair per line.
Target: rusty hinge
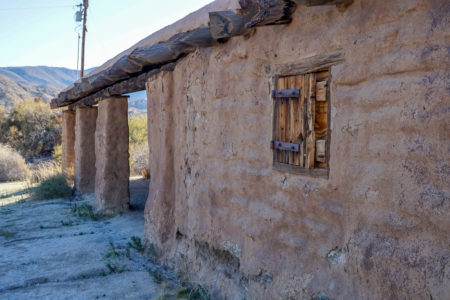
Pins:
x,y
285,146
288,93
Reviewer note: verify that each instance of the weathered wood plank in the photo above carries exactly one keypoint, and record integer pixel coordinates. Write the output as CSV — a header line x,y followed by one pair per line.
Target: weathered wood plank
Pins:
x,y
292,101
276,117
320,150
311,64
304,104
310,112
282,120
298,159
321,119
321,91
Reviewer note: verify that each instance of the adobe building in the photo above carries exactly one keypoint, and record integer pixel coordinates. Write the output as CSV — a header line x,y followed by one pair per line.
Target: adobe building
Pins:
x,y
298,149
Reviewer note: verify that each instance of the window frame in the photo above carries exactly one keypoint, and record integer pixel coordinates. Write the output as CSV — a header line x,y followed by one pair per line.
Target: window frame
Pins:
x,y
294,169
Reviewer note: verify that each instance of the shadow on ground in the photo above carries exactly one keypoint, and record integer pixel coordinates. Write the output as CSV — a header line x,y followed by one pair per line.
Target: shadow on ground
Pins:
x,y
138,193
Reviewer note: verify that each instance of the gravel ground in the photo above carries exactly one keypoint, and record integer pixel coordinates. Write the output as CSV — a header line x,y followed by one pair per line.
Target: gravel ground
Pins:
x,y
58,249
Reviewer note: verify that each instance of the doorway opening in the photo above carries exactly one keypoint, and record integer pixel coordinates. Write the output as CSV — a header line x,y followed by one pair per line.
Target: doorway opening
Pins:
x,y
138,150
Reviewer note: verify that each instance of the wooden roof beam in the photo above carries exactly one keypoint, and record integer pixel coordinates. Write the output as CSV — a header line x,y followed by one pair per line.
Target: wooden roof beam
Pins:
x,y
126,86
226,24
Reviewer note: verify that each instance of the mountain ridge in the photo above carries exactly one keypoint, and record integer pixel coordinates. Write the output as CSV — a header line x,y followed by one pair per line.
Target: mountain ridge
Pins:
x,y
29,82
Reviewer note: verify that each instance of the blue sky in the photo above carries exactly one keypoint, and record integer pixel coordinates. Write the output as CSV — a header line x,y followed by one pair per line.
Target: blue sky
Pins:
x,y
43,32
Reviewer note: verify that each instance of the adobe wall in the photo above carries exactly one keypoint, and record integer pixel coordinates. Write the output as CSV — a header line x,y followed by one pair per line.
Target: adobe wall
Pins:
x,y
377,228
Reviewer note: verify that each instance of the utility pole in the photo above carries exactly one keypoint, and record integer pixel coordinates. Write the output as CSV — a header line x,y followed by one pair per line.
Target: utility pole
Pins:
x,y
83,39
78,52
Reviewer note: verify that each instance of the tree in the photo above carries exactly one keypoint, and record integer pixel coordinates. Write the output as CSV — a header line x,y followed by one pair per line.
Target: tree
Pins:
x,y
31,128
138,129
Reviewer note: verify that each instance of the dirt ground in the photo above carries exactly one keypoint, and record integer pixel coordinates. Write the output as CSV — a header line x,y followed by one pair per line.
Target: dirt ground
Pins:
x,y
60,249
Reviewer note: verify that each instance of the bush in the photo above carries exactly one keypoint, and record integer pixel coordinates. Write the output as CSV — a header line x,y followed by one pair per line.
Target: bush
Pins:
x,y
12,165
50,179
55,186
31,128
139,152
138,129
138,158
57,154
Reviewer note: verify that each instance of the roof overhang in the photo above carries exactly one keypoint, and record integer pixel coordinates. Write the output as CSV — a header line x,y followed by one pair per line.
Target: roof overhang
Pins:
x,y
128,71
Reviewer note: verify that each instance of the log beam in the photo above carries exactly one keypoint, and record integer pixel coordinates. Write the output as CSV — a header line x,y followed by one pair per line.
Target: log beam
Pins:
x,y
130,85
130,66
226,24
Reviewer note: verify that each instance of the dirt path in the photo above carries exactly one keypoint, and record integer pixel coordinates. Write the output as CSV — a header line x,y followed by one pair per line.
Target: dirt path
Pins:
x,y
60,249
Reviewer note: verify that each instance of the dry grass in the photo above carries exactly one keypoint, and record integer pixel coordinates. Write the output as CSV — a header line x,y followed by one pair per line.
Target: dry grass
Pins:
x,y
43,170
49,180
12,165
139,154
42,180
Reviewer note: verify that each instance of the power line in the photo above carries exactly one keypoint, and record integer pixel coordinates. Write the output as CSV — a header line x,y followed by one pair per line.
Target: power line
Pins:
x,y
35,7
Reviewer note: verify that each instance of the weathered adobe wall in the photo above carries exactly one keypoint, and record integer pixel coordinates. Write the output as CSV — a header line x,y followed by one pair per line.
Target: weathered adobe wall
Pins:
x,y
378,228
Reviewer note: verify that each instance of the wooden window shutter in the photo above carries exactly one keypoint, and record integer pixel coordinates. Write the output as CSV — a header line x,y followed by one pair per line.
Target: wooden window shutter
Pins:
x,y
301,120
288,121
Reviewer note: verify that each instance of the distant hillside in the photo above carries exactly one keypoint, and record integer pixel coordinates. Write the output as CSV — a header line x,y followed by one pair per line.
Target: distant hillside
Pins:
x,y
20,83
12,91
137,103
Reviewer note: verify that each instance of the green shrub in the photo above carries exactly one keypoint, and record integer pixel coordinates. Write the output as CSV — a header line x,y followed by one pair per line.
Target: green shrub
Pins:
x,y
86,211
55,186
139,152
31,128
138,129
12,165
136,244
